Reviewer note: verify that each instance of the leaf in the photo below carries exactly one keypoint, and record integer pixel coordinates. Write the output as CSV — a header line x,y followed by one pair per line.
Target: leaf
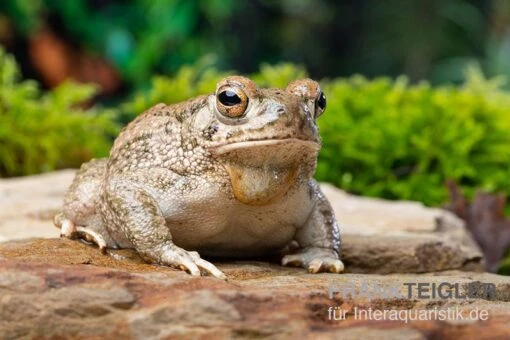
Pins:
x,y
486,220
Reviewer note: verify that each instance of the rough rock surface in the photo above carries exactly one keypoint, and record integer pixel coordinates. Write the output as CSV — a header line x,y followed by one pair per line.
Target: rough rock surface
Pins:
x,y
58,288
379,236
28,204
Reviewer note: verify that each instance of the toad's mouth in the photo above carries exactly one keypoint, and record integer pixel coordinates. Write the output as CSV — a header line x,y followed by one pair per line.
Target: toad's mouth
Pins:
x,y
262,171
266,143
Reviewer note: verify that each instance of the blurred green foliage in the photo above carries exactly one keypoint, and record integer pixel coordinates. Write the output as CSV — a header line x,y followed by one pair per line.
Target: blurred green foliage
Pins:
x,y
139,36
425,39
385,137
44,131
389,139
504,267
188,82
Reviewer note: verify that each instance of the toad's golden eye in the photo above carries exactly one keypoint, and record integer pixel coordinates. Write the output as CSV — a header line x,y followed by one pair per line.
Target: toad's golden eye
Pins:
x,y
231,101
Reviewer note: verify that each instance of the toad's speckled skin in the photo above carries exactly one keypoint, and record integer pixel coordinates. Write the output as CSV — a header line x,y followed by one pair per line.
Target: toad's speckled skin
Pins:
x,y
201,177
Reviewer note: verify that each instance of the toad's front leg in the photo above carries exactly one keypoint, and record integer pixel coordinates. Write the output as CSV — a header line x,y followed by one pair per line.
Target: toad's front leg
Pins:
x,y
70,230
319,239
139,217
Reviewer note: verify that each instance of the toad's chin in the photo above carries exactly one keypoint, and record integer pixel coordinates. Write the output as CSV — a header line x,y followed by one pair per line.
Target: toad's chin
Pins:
x,y
263,171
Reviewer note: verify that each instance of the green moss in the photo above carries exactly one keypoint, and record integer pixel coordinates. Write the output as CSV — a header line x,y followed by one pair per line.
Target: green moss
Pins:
x,y
504,268
45,131
389,139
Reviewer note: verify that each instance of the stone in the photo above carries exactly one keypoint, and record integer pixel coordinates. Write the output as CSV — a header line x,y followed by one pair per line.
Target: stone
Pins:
x,y
28,204
58,288
379,236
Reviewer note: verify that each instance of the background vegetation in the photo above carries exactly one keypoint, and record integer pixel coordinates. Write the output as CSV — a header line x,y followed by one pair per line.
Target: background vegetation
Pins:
x,y
43,131
424,39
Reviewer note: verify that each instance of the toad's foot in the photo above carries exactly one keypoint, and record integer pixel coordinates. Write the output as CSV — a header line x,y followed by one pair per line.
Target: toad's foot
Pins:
x,y
316,260
70,230
190,261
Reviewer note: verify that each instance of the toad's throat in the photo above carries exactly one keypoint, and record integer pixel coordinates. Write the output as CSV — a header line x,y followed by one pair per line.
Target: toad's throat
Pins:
x,y
260,185
261,172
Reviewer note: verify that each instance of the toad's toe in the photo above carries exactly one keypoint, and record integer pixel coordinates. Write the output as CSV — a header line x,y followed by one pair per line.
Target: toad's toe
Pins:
x,y
189,261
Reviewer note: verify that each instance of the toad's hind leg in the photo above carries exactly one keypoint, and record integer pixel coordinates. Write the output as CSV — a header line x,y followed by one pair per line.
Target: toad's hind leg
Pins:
x,y
79,217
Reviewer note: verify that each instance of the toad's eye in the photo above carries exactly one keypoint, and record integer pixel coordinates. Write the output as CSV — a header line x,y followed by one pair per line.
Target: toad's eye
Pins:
x,y
229,98
231,101
320,104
